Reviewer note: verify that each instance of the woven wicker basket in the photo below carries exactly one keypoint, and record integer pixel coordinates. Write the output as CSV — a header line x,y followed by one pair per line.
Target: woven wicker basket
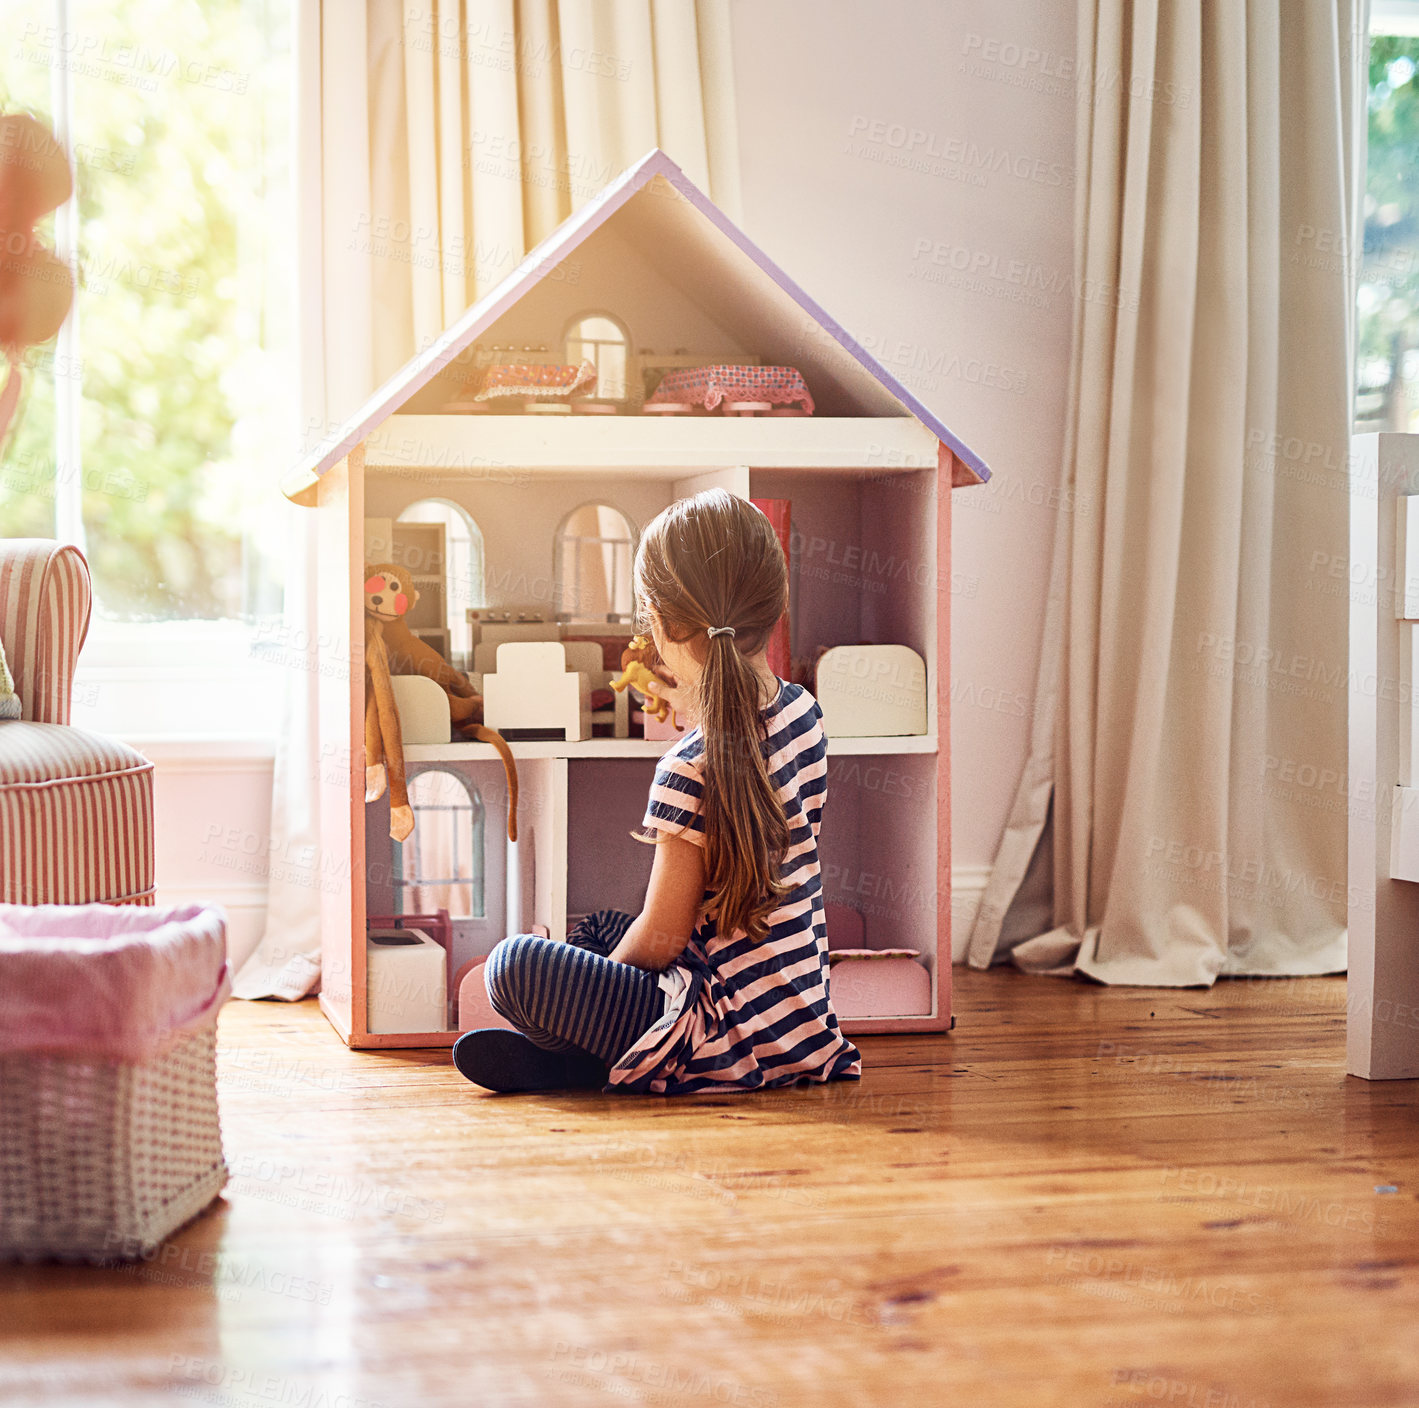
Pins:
x,y
103,1159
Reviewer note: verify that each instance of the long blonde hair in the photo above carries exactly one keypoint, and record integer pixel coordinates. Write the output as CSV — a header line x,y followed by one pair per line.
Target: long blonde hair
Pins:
x,y
714,560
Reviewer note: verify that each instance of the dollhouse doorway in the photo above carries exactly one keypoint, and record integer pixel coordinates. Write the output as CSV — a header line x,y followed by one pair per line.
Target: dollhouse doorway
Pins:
x,y
453,568
454,859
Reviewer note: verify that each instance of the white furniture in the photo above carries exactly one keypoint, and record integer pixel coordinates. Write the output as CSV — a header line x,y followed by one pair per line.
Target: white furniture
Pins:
x,y
535,687
1382,989
584,657
424,716
871,691
406,981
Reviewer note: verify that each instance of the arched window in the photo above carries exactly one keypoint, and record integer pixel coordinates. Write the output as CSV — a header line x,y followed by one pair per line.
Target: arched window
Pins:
x,y
604,342
594,549
440,866
441,548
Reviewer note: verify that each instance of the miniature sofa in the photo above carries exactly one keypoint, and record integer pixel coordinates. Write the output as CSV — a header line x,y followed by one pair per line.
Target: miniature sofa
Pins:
x,y
109,1136
76,808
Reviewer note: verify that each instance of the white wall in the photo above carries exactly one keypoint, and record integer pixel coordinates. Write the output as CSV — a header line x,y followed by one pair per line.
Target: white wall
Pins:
x,y
883,146
212,814
213,765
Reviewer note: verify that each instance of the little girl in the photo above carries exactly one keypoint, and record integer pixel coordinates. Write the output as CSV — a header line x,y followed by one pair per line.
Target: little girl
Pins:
x,y
721,982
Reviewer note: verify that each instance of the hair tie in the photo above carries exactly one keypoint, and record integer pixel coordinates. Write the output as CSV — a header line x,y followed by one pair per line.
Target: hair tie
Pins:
x,y
719,630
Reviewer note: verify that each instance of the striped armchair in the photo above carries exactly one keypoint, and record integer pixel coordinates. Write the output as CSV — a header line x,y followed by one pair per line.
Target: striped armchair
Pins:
x,y
76,808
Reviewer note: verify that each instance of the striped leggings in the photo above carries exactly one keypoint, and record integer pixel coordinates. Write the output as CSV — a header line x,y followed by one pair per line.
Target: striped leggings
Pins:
x,y
571,996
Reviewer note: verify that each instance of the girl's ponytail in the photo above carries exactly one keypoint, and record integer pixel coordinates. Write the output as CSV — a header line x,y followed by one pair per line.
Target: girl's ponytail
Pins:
x,y
744,820
709,563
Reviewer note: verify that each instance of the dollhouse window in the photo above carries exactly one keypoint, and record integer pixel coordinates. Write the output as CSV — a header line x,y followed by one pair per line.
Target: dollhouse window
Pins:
x,y
440,866
594,549
604,342
441,547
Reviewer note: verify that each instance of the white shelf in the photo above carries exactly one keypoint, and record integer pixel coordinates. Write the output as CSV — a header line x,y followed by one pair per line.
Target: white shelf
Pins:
x,y
636,748
636,445
902,743
536,748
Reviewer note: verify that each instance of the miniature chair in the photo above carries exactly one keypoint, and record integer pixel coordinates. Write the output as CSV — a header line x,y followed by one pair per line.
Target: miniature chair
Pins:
x,y
533,687
76,808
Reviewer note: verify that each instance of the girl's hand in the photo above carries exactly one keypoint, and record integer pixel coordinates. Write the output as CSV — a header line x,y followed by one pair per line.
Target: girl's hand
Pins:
x,y
667,687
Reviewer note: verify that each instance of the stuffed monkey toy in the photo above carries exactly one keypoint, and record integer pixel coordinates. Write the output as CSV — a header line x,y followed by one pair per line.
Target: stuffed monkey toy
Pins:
x,y
384,743
391,648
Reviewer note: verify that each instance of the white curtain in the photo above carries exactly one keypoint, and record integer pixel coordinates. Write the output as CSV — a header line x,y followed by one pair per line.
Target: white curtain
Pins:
x,y
1193,684
454,136
492,120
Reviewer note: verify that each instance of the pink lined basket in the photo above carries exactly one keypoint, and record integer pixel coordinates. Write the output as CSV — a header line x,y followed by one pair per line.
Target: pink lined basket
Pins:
x,y
109,1132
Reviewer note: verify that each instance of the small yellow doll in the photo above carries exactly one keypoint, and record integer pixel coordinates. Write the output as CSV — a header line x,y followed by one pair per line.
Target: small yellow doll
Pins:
x,y
636,673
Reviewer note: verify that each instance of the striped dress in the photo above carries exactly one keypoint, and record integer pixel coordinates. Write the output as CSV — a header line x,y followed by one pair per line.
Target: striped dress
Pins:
x,y
744,1015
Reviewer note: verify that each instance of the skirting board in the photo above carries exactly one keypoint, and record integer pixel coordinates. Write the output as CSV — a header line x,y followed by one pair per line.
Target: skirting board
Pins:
x,y
245,907
212,809
968,884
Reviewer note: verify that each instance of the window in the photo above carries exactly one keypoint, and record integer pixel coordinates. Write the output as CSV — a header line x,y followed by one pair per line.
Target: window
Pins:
x,y
440,866
1387,326
604,342
448,566
155,431
594,549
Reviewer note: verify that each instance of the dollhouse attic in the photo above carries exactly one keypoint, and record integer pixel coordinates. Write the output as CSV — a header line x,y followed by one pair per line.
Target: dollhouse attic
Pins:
x,y
644,351
650,242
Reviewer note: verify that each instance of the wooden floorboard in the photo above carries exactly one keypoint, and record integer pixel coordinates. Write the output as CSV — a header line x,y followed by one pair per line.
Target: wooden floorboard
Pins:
x,y
1085,1197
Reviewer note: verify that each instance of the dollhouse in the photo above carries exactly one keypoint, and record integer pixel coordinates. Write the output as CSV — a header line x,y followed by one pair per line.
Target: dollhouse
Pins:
x,y
645,351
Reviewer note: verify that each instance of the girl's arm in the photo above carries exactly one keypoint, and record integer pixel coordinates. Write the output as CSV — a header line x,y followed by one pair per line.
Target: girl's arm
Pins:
x,y
658,935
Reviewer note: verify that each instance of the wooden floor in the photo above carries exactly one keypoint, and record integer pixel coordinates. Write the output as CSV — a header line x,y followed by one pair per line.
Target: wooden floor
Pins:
x,y
1083,1196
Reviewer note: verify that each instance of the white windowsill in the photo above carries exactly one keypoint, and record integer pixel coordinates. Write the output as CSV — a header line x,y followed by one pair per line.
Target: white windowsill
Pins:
x,y
205,753
187,684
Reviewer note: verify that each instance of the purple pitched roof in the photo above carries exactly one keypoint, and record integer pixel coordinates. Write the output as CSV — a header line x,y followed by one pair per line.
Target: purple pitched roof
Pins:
x,y
421,368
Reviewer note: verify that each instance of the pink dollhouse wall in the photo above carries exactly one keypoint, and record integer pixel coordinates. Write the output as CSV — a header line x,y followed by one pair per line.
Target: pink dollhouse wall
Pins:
x,y
607,868
864,556
869,863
